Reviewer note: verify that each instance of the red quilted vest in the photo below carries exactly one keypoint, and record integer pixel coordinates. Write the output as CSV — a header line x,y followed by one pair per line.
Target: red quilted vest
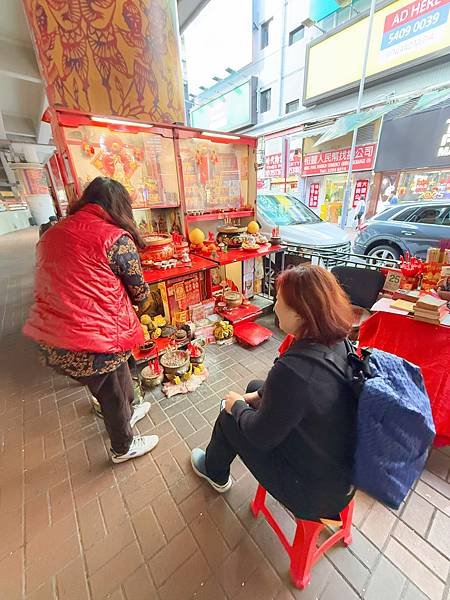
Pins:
x,y
79,304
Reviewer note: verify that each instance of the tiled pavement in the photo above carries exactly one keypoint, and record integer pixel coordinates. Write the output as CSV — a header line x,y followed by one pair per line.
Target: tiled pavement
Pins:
x,y
74,527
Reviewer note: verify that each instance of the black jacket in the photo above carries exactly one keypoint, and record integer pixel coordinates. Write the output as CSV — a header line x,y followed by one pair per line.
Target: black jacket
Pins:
x,y
306,423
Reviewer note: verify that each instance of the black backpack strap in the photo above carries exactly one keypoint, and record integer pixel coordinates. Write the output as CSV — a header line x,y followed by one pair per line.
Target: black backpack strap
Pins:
x,y
360,365
352,370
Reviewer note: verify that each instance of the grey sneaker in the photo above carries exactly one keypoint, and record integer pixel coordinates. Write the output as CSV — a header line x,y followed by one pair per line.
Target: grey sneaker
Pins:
x,y
198,464
141,444
139,413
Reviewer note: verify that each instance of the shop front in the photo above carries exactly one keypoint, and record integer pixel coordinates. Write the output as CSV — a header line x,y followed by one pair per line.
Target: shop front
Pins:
x,y
282,164
325,176
413,162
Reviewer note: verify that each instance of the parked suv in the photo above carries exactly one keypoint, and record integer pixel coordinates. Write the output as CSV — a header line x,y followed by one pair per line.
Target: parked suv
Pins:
x,y
298,224
404,228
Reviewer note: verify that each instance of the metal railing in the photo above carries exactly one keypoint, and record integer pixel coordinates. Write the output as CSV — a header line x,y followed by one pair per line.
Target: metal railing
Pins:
x,y
332,258
327,258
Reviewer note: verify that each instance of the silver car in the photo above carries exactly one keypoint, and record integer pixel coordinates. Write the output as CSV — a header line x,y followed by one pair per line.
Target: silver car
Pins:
x,y
297,223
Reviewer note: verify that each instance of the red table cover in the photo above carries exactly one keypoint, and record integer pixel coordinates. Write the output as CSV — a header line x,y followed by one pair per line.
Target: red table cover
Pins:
x,y
423,344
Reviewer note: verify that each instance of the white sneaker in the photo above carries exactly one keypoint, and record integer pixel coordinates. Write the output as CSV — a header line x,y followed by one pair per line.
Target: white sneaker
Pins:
x,y
139,413
140,445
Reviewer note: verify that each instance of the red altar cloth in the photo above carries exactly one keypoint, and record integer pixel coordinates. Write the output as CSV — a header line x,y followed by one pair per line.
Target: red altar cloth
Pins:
x,y
423,344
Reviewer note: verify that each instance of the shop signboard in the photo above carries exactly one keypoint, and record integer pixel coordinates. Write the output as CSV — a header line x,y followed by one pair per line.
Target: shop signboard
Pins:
x,y
273,165
417,141
231,111
313,198
412,27
405,35
361,190
444,146
294,163
337,161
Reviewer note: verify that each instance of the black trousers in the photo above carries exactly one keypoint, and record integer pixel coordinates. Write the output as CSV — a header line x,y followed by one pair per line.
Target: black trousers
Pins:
x,y
272,471
114,392
227,441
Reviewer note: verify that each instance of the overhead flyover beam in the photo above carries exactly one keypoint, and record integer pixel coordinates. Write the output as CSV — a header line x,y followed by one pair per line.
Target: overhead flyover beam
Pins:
x,y
188,10
17,125
43,129
18,62
2,128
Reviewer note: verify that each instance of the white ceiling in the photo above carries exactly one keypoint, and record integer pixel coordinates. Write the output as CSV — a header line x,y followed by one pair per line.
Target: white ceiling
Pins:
x,y
22,97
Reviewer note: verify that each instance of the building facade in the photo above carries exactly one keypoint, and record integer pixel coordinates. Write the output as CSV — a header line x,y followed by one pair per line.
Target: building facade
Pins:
x,y
298,95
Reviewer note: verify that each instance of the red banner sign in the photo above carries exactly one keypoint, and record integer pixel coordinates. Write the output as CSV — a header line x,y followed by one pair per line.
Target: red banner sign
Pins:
x,y
273,165
313,199
361,189
337,161
295,163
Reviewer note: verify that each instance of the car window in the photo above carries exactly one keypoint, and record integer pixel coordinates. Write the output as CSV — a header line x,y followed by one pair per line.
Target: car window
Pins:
x,y
282,209
446,218
403,215
430,215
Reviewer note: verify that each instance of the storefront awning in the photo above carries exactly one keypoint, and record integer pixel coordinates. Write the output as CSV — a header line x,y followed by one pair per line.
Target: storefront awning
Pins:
x,y
306,133
349,123
431,99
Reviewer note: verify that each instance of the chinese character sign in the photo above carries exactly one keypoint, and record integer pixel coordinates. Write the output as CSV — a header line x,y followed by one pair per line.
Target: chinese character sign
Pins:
x,y
313,199
273,165
361,189
295,163
337,161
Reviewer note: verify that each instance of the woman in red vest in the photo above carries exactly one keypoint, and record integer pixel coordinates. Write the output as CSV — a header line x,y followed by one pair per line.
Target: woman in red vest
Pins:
x,y
88,277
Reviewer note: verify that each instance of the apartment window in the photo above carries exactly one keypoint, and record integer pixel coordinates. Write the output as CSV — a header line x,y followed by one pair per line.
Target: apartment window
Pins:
x,y
296,35
265,34
292,106
265,100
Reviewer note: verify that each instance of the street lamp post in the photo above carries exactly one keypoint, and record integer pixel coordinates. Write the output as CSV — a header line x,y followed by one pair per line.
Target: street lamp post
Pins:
x,y
348,184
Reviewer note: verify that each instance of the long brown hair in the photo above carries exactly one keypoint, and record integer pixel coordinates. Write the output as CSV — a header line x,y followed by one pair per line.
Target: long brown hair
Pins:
x,y
114,198
316,296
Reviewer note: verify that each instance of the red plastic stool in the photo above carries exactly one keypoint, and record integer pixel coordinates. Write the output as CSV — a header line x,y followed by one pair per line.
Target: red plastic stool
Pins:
x,y
304,552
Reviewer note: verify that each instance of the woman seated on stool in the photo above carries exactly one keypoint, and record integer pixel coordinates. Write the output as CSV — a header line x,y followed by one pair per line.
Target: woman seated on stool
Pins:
x,y
296,431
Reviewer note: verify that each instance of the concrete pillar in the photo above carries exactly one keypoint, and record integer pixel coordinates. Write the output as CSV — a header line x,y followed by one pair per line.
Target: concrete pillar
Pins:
x,y
114,57
35,190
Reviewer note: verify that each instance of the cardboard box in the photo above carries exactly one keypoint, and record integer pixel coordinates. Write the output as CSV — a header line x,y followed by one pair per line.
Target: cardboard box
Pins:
x,y
210,306
248,266
248,288
257,286
163,291
197,312
206,333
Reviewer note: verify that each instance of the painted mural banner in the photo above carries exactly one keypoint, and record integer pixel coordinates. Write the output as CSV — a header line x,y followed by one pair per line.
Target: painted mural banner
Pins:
x,y
110,57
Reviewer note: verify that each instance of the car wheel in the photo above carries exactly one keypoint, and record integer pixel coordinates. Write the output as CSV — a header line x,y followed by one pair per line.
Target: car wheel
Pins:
x,y
384,253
